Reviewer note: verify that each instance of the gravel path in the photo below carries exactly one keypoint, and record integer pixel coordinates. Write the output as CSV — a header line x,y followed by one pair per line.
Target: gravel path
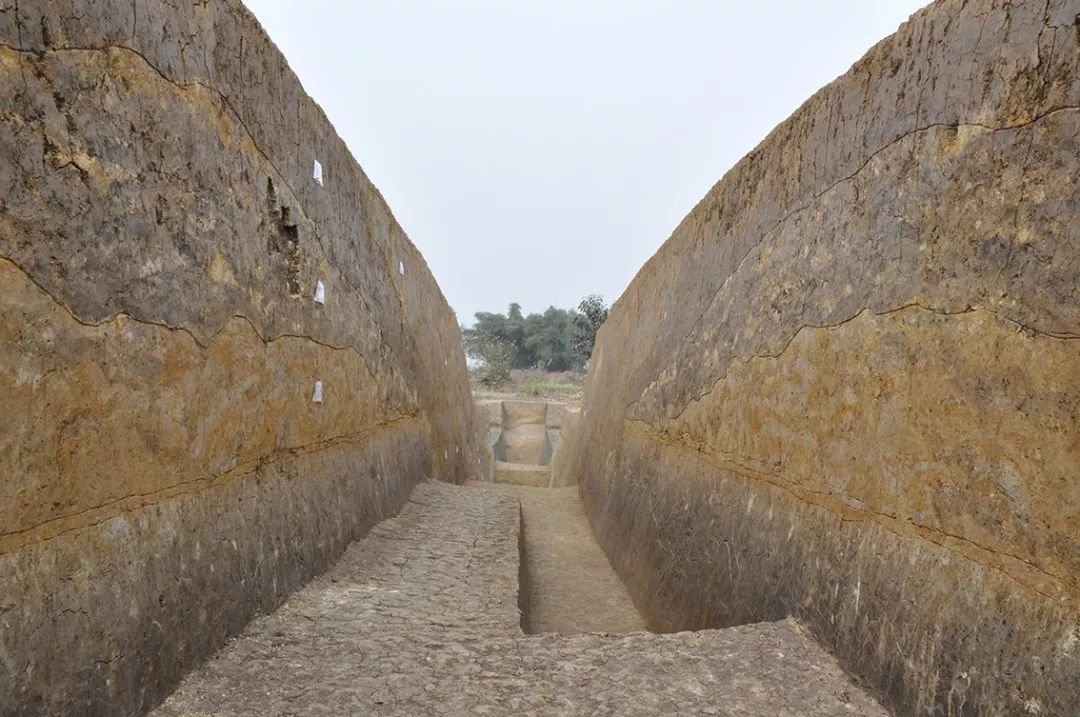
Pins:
x,y
421,618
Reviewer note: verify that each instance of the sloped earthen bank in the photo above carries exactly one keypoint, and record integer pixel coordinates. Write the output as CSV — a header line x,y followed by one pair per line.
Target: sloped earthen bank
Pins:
x,y
187,435
847,388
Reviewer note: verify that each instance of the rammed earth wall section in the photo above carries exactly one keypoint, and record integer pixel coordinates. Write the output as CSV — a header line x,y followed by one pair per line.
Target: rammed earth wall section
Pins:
x,y
164,471
848,387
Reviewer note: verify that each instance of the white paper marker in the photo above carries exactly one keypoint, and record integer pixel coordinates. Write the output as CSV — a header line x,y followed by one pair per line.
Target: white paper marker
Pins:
x,y
320,293
316,172
317,395
401,268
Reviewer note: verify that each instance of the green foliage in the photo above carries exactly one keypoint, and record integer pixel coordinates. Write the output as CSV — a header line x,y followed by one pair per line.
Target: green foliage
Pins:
x,y
548,388
549,338
509,330
497,357
556,340
532,389
593,313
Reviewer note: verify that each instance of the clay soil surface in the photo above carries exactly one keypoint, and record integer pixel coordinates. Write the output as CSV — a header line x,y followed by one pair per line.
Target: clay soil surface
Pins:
x,y
570,587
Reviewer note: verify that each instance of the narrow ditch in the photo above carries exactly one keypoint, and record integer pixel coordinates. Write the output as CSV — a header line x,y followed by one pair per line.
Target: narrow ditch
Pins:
x,y
524,586
565,583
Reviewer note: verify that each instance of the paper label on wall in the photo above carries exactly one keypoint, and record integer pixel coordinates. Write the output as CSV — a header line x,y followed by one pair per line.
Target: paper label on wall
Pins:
x,y
317,395
320,293
401,268
316,172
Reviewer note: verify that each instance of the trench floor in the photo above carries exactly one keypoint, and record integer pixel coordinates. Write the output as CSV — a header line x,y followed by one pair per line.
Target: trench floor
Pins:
x,y
421,617
570,586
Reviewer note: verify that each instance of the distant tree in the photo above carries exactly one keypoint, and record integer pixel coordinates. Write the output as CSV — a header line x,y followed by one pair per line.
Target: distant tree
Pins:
x,y
507,329
497,358
550,339
593,313
515,334
556,340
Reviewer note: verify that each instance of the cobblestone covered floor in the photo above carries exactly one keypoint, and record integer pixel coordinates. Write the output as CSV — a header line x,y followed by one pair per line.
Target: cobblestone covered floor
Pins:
x,y
421,618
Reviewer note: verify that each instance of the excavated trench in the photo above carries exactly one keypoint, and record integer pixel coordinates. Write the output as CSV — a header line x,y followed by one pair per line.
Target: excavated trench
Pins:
x,y
567,584
844,390
494,599
523,436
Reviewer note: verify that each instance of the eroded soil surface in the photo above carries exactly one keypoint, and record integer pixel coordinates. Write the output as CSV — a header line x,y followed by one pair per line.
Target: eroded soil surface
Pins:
x,y
421,618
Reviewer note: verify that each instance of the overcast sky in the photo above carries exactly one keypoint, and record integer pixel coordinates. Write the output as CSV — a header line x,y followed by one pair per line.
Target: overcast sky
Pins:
x,y
538,151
